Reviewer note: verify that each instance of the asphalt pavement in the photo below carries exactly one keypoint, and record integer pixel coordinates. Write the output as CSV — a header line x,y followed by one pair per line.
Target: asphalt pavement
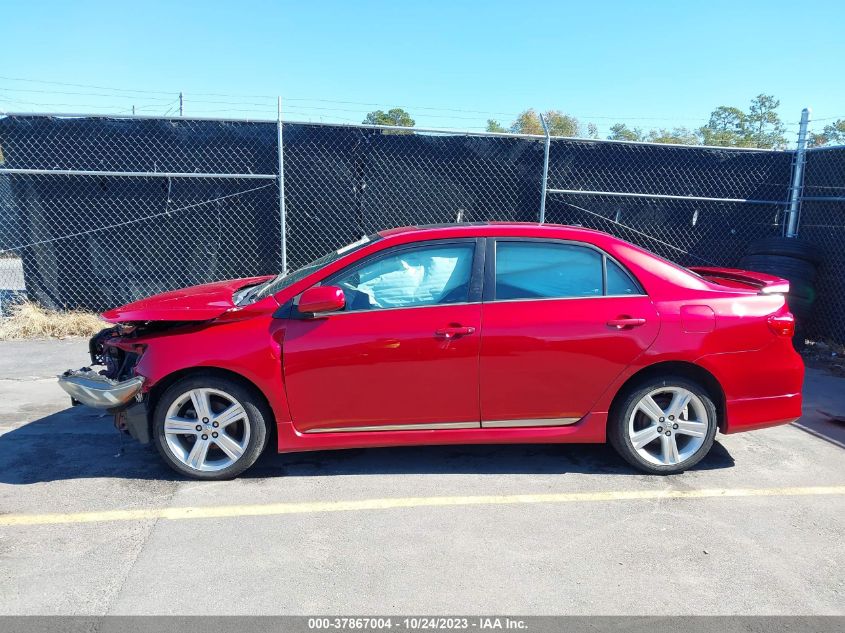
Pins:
x,y
756,528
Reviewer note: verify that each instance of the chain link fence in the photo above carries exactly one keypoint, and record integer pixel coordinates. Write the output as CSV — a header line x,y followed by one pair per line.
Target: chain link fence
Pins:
x,y
345,182
99,211
822,223
95,212
693,205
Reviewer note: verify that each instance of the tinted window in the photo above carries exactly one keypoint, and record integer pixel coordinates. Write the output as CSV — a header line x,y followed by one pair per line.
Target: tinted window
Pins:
x,y
619,282
527,270
412,277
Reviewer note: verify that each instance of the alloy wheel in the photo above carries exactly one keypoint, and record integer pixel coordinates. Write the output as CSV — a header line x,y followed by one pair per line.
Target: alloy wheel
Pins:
x,y
668,426
206,429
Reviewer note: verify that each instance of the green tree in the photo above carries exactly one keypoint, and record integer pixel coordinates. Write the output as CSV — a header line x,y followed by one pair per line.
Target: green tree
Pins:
x,y
727,127
528,122
759,127
832,134
394,116
621,132
494,126
678,135
560,124
675,136
765,129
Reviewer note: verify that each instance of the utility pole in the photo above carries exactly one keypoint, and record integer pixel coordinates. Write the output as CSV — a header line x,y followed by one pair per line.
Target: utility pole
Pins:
x,y
181,111
133,110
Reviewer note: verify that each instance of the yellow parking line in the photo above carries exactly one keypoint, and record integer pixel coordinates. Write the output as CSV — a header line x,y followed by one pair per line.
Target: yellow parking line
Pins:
x,y
308,507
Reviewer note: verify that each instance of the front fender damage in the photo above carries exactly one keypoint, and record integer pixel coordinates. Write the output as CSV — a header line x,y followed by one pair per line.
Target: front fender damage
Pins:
x,y
110,382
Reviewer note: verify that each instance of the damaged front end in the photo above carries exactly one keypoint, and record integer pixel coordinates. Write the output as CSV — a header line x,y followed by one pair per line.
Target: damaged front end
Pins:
x,y
114,385
110,382
93,389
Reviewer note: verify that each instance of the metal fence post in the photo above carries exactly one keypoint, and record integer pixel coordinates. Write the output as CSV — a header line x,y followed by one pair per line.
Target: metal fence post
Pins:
x,y
797,176
545,169
282,215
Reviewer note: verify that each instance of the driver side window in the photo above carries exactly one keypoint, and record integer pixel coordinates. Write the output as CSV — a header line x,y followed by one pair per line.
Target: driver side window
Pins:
x,y
411,277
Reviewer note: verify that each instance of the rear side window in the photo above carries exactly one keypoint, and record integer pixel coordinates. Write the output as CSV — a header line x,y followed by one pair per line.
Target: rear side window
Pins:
x,y
539,270
619,282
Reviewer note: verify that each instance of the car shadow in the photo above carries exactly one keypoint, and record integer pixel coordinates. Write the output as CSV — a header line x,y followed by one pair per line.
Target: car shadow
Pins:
x,y
80,443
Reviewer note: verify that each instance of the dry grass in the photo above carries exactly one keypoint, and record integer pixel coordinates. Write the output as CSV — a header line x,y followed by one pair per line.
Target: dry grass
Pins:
x,y
29,320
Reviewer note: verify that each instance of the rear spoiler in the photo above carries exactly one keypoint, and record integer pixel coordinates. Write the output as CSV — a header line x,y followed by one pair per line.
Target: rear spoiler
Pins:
x,y
765,284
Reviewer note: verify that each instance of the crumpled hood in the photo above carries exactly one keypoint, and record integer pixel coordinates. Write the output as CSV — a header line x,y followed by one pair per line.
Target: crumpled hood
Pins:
x,y
197,303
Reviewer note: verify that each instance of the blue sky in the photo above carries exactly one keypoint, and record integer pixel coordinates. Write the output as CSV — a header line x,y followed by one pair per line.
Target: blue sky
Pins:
x,y
451,64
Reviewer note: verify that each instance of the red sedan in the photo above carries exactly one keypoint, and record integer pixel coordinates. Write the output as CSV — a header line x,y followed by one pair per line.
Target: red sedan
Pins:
x,y
463,334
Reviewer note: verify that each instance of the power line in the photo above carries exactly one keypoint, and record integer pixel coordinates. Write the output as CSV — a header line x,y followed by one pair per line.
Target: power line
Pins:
x,y
386,105
3,88
72,85
81,94
309,99
66,105
303,102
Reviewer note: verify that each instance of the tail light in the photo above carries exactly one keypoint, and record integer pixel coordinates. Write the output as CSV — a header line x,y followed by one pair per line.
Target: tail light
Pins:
x,y
782,324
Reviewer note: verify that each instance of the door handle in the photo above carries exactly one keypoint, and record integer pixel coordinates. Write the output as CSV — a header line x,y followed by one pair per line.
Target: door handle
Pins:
x,y
626,322
453,331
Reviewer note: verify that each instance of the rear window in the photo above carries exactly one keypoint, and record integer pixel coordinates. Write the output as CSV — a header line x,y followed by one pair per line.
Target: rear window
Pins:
x,y
541,270
550,270
620,282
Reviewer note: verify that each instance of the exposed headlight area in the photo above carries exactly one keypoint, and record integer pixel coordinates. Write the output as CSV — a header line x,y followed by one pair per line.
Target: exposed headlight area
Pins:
x,y
93,389
110,382
112,348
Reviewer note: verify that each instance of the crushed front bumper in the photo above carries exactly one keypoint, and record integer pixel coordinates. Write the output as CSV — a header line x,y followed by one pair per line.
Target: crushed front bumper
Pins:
x,y
95,390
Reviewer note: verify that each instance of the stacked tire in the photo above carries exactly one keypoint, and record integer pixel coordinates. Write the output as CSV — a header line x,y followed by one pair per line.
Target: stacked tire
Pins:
x,y
791,259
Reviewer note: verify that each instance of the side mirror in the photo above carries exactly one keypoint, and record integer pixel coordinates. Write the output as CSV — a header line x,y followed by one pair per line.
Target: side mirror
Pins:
x,y
321,299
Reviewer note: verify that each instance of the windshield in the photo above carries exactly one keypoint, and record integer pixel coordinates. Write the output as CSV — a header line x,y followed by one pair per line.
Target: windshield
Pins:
x,y
281,282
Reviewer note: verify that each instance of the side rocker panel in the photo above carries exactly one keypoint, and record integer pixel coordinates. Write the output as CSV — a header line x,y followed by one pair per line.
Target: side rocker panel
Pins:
x,y
590,430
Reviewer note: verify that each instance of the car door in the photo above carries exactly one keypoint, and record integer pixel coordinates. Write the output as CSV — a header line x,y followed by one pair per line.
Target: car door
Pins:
x,y
560,321
402,354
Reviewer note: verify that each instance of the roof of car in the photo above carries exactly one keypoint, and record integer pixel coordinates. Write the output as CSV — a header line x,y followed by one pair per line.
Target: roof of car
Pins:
x,y
489,228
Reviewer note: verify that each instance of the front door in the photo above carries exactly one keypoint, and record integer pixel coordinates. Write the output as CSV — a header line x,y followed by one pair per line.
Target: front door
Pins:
x,y
402,355
561,321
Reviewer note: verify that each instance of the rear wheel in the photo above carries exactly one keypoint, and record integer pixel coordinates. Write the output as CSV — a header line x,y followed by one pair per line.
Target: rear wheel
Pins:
x,y
208,427
664,426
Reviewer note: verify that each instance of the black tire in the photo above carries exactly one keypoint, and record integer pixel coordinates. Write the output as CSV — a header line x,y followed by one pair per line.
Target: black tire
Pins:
x,y
256,418
790,268
789,246
617,431
802,290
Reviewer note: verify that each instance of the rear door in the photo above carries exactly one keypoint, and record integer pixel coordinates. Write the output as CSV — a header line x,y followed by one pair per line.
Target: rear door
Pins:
x,y
560,321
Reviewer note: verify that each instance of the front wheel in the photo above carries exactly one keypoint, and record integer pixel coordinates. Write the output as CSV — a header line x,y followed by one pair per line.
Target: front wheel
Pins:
x,y
209,427
664,426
